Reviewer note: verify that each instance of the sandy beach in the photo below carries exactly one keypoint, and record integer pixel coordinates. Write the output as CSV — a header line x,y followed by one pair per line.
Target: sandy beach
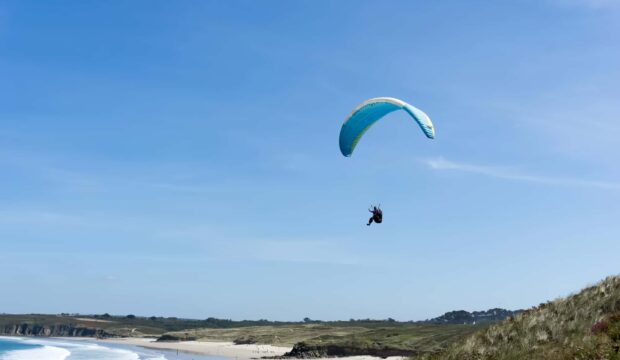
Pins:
x,y
226,349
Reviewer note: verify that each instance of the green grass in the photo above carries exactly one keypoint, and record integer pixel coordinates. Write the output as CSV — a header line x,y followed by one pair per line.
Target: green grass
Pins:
x,y
274,335
319,338
125,325
397,340
349,338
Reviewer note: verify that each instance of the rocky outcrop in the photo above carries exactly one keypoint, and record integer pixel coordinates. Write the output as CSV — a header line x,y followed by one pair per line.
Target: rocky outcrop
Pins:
x,y
245,340
304,351
52,330
169,337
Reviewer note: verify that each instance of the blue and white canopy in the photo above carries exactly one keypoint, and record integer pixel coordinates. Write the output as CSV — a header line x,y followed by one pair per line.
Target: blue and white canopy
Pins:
x,y
369,112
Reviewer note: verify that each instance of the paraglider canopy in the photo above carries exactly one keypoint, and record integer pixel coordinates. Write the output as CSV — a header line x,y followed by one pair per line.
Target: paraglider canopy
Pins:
x,y
369,112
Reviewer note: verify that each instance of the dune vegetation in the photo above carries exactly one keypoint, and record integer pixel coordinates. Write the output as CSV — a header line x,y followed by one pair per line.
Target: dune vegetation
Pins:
x,y
339,339
584,326
309,338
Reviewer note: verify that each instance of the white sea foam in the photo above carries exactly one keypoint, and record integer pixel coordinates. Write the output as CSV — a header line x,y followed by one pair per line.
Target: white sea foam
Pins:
x,y
157,357
61,349
43,353
89,351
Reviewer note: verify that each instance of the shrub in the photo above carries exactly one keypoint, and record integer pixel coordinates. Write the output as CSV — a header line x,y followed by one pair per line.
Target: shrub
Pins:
x,y
600,327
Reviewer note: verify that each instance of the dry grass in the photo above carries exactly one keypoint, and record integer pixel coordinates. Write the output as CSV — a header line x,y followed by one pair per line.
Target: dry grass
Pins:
x,y
273,335
397,339
561,329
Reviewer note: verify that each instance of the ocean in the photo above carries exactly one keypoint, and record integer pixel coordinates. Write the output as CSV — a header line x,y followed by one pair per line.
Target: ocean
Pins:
x,y
27,348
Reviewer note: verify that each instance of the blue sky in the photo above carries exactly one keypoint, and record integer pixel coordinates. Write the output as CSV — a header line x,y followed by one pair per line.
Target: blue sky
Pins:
x,y
181,158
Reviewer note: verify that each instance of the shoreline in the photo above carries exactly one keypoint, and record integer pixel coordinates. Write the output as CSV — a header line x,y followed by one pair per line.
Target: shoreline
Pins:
x,y
223,348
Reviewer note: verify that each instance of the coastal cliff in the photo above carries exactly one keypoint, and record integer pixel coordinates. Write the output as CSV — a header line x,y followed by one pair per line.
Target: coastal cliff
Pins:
x,y
52,330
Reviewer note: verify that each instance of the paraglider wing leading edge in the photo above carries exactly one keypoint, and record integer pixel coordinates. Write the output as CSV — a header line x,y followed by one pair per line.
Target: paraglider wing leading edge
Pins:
x,y
369,112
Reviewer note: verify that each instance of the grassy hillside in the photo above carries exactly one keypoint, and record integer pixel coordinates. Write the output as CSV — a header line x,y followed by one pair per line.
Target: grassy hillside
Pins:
x,y
407,340
128,325
269,334
582,326
311,338
345,338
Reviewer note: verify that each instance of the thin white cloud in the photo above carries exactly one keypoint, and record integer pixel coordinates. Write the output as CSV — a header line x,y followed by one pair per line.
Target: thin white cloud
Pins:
x,y
198,189
73,175
237,247
515,175
592,4
110,278
73,180
303,251
38,217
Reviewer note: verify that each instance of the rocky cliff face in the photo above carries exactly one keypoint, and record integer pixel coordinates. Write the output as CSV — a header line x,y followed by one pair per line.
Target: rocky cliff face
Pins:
x,y
52,330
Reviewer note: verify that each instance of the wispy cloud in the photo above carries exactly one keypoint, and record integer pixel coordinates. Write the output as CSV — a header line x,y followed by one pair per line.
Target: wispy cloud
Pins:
x,y
303,251
239,247
581,123
76,175
592,4
510,173
110,278
37,217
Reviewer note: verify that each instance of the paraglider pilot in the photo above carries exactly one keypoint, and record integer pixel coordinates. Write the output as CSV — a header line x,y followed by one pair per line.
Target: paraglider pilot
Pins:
x,y
377,215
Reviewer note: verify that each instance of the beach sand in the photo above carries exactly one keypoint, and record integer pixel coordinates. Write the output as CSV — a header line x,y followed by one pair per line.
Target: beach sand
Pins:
x,y
225,349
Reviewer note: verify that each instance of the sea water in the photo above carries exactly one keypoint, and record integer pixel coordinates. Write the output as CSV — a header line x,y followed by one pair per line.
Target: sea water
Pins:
x,y
15,348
